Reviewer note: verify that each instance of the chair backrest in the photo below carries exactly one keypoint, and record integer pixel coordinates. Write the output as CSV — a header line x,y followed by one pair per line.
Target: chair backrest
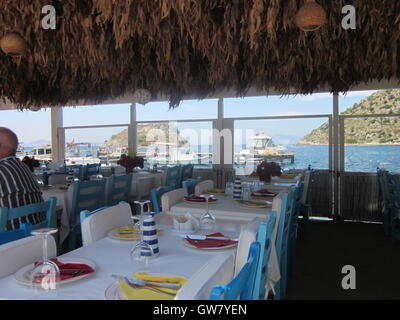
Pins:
x,y
219,270
95,225
186,172
282,238
57,179
203,186
77,168
17,254
190,184
118,189
242,286
86,195
23,232
308,183
170,198
173,177
155,197
141,187
48,206
91,169
264,237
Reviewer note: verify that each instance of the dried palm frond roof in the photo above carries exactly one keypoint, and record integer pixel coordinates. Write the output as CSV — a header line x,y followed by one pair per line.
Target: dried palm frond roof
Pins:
x,y
104,49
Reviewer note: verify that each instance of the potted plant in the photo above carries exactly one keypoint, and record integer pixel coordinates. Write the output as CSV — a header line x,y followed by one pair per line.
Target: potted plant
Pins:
x,y
130,163
32,163
266,170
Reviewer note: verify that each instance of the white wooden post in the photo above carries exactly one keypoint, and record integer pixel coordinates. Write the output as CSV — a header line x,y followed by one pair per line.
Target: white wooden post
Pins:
x,y
57,135
132,131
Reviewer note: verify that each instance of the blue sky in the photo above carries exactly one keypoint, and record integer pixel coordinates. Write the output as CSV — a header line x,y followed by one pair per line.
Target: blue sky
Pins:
x,y
34,126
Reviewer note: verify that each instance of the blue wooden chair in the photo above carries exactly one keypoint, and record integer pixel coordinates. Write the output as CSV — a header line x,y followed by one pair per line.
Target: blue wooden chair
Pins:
x,y
23,232
155,197
393,200
77,168
186,173
293,226
190,184
384,198
305,207
281,244
90,170
87,195
49,207
242,286
173,177
264,237
119,188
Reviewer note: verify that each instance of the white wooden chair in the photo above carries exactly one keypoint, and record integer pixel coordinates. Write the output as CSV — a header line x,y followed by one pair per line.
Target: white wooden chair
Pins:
x,y
17,254
203,186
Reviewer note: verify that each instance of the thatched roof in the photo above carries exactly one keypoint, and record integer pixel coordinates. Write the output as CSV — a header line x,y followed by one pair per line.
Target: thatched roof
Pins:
x,y
103,49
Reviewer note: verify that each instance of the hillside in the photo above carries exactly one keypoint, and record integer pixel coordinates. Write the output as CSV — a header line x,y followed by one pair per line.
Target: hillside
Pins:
x,y
366,130
148,132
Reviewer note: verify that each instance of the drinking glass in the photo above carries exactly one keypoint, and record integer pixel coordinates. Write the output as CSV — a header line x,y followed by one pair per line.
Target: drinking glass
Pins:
x,y
142,252
46,271
207,221
246,193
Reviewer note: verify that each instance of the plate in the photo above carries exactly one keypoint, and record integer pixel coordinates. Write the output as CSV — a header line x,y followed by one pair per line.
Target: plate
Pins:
x,y
23,278
215,248
195,229
136,236
254,204
201,202
113,292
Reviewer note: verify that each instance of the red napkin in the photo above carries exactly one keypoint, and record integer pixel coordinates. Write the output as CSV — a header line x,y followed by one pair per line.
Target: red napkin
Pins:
x,y
199,199
264,193
211,243
68,270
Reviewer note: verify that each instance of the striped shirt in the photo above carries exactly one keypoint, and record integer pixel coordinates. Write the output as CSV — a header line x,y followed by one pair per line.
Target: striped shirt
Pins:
x,y
18,188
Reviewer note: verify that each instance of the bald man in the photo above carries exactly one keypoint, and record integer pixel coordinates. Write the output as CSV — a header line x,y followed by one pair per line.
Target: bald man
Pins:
x,y
17,184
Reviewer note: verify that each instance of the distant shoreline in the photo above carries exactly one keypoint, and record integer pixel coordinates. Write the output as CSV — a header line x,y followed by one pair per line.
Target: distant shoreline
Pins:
x,y
355,144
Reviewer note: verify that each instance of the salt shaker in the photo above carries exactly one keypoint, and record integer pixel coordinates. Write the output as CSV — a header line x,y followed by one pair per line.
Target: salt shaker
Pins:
x,y
237,189
149,234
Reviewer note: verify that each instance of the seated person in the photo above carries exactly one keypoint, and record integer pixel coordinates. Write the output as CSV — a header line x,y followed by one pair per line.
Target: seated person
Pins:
x,y
17,184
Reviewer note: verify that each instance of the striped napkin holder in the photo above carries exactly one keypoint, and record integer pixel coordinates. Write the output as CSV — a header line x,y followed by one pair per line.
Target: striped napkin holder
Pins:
x,y
149,233
237,189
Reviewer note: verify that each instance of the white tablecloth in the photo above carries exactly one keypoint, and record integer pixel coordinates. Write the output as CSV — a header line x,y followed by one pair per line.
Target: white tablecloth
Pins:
x,y
225,209
61,196
229,211
112,257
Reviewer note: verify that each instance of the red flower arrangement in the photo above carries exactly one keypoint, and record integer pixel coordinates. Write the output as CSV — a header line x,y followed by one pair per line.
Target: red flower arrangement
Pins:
x,y
32,163
266,170
130,162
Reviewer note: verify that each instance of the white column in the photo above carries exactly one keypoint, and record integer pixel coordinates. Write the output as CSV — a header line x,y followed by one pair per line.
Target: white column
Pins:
x,y
132,131
57,135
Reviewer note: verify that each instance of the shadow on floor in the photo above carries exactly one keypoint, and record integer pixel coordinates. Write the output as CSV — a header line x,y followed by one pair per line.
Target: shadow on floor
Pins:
x,y
329,246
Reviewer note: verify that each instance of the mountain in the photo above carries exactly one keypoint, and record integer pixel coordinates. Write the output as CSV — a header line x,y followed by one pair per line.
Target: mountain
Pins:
x,y
37,143
366,130
147,134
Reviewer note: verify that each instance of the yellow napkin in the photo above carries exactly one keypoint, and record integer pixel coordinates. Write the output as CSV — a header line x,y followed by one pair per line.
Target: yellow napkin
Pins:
x,y
253,204
216,191
288,176
146,294
135,232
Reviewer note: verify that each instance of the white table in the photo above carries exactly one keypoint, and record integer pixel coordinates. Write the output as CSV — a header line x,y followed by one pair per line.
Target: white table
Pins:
x,y
61,196
112,257
225,208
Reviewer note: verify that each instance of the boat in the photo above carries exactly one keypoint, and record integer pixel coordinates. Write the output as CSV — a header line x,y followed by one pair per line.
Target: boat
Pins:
x,y
41,153
262,148
166,153
80,153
